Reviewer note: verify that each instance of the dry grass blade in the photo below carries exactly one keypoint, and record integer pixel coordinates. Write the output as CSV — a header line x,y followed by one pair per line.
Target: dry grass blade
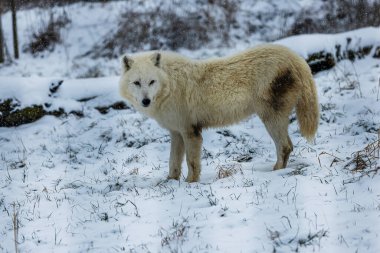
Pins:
x,y
335,160
366,160
228,170
15,226
177,233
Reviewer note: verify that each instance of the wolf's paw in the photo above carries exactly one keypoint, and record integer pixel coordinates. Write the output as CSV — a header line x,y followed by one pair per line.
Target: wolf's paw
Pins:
x,y
278,166
175,177
192,179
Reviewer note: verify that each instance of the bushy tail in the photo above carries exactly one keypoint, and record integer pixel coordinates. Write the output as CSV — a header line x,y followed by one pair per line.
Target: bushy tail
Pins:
x,y
307,110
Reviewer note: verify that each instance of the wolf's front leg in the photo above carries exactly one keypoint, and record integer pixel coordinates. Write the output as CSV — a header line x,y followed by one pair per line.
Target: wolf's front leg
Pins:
x,y
177,151
193,146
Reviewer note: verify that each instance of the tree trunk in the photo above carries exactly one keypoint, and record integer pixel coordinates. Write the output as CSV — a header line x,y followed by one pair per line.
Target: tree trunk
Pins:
x,y
14,28
1,39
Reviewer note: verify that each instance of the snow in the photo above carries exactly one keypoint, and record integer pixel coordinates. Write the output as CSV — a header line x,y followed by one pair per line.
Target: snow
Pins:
x,y
98,183
36,90
90,22
306,45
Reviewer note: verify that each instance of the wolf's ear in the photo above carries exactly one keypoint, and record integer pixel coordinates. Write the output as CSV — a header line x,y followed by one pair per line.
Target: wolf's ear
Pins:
x,y
126,62
156,58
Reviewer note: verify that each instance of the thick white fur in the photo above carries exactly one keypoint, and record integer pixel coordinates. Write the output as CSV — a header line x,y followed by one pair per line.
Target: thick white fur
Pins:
x,y
188,95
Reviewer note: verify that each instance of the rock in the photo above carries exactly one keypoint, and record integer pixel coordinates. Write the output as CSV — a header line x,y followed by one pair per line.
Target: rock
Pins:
x,y
120,105
325,60
377,53
320,61
12,115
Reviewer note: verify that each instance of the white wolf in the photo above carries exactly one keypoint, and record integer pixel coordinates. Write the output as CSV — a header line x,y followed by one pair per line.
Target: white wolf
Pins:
x,y
185,96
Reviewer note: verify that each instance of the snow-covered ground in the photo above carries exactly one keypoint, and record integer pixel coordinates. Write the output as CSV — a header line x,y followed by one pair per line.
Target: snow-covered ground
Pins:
x,y
98,183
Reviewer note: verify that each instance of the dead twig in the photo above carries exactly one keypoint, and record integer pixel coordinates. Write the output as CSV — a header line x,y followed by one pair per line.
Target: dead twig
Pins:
x,y
228,170
335,160
365,161
15,222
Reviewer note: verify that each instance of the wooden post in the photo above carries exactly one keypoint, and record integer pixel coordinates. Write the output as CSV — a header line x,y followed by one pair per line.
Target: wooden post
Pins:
x,y
1,39
14,28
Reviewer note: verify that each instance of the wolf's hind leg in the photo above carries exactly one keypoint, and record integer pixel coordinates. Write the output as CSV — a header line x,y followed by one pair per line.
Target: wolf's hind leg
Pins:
x,y
177,152
193,146
277,128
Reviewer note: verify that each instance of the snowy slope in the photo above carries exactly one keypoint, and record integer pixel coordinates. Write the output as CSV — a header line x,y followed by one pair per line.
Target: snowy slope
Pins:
x,y
91,22
306,45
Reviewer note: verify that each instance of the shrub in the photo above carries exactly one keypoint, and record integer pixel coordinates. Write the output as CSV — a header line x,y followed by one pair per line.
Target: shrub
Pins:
x,y
340,16
22,4
47,35
168,29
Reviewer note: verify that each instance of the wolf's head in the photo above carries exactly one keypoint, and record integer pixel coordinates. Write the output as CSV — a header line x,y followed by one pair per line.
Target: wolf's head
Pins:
x,y
142,81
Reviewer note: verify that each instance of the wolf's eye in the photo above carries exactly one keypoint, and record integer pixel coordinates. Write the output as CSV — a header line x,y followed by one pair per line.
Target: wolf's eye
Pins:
x,y
152,82
137,83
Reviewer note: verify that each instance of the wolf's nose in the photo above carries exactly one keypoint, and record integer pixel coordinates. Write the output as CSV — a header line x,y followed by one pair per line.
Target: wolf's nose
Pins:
x,y
146,102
